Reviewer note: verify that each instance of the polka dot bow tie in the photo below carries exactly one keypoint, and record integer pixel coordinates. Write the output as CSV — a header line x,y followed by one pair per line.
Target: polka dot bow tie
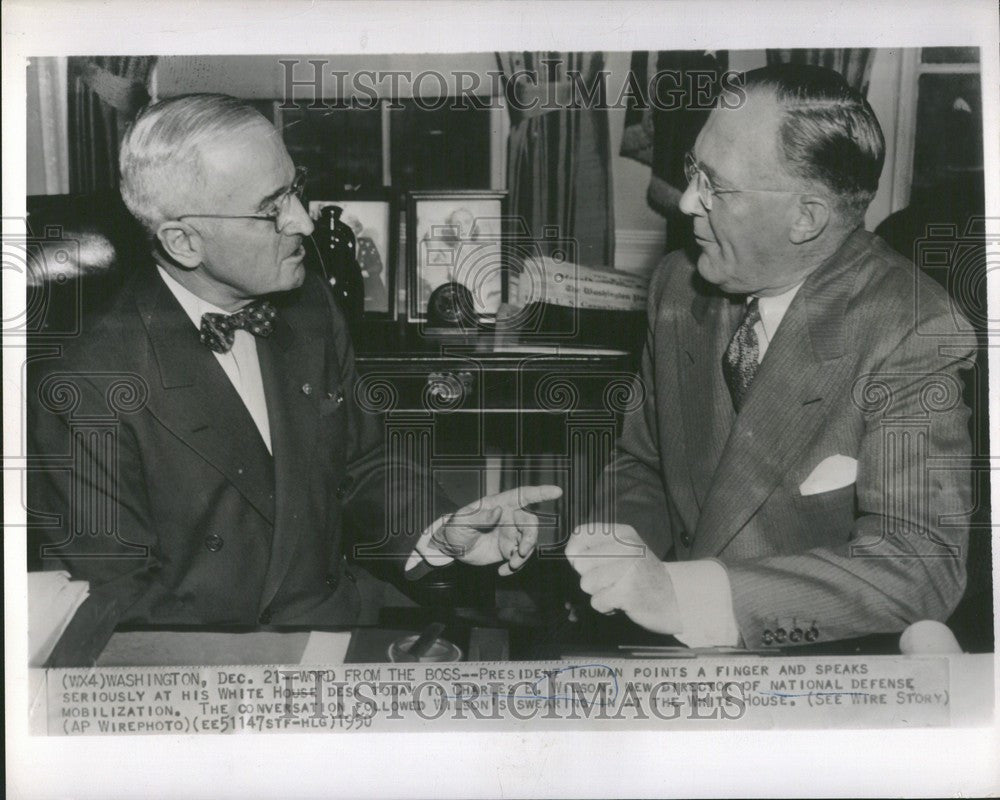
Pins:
x,y
218,330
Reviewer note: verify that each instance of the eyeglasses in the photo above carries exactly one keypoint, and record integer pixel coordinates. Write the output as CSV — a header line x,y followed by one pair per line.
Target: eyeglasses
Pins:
x,y
279,206
694,172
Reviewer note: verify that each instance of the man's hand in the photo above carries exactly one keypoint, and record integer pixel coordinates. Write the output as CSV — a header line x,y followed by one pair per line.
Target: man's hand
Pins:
x,y
620,573
495,528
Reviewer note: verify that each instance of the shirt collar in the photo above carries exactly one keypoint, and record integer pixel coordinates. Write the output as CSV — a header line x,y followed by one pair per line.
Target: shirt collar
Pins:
x,y
193,305
772,309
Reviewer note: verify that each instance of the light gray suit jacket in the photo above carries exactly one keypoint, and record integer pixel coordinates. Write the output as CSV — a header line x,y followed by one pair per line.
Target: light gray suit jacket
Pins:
x,y
865,364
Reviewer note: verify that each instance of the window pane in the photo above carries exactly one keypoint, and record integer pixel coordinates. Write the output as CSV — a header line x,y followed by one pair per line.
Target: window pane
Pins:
x,y
949,127
442,148
342,147
950,55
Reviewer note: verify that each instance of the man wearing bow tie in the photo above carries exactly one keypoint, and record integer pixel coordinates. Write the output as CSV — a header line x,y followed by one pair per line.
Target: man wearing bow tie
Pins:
x,y
799,471
241,481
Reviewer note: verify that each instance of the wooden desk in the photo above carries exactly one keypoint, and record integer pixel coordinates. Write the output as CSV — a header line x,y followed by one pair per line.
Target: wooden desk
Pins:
x,y
487,414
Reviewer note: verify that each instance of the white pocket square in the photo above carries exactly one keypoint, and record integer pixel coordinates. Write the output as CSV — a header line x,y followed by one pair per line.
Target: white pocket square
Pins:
x,y
831,473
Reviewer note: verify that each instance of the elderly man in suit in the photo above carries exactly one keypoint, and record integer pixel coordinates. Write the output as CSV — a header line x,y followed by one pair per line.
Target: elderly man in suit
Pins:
x,y
799,470
238,479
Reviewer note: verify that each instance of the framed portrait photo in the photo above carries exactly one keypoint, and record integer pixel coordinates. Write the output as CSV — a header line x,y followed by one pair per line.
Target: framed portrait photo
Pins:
x,y
454,264
371,220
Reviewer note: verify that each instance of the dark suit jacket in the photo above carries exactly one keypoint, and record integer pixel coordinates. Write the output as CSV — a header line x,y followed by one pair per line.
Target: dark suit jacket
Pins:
x,y
161,492
864,364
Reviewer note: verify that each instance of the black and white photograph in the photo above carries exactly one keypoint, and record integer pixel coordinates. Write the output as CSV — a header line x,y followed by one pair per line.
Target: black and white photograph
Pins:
x,y
565,400
456,242
369,221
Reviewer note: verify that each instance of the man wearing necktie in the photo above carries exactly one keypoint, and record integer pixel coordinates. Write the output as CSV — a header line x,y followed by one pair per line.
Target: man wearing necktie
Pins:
x,y
225,469
799,471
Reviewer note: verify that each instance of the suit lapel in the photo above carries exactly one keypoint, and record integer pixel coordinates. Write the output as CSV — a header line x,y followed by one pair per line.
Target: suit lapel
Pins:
x,y
292,365
800,374
707,407
197,401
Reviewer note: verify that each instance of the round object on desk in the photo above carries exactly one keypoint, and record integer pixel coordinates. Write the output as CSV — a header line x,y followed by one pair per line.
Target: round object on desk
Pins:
x,y
440,650
450,306
928,637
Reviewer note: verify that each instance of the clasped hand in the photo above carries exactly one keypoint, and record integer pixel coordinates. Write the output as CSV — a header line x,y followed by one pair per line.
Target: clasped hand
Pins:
x,y
620,573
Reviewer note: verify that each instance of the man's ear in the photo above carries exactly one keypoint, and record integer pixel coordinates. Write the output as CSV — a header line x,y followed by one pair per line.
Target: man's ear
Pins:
x,y
181,243
812,215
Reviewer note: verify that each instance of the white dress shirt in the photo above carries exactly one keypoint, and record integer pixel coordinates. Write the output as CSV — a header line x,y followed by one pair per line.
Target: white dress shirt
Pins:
x,y
704,596
241,364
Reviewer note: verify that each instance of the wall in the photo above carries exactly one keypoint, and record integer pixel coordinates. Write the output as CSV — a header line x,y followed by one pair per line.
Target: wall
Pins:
x,y
263,76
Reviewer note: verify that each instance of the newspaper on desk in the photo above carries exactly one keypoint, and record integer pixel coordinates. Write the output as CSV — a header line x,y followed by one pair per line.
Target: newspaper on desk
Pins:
x,y
563,283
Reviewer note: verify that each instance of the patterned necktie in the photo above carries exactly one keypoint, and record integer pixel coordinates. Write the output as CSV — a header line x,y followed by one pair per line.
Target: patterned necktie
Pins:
x,y
742,358
219,330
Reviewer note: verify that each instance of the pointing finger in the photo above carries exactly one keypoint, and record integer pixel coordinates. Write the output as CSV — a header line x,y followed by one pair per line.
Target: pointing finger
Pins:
x,y
518,497
529,495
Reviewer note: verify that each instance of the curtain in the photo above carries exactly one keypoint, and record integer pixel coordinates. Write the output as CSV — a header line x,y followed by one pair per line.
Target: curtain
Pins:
x,y
660,129
105,94
558,157
854,63
48,166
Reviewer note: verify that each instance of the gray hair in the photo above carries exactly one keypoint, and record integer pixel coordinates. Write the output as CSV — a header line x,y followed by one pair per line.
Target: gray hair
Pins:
x,y
829,134
160,160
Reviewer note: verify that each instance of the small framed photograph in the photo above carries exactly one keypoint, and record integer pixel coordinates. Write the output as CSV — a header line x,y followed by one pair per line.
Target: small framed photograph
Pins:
x,y
455,257
371,220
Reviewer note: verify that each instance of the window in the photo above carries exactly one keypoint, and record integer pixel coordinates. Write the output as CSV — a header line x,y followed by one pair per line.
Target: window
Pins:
x,y
949,116
446,148
342,147
416,147
939,128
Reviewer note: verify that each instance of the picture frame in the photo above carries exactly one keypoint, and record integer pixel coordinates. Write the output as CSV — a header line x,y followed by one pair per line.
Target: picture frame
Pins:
x,y
372,217
455,237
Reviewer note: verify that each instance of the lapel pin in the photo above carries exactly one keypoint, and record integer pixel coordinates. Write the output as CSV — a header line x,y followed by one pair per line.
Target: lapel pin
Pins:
x,y
307,388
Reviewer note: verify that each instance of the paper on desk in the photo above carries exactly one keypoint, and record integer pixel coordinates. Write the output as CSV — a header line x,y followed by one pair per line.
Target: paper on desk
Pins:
x,y
325,648
53,599
561,283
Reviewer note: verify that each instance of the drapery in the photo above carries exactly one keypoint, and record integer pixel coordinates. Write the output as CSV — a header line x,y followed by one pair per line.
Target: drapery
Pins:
x,y
661,128
559,165
48,165
105,94
854,63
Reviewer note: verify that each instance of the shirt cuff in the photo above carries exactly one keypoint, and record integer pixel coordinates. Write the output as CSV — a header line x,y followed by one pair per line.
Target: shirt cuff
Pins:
x,y
705,602
427,550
